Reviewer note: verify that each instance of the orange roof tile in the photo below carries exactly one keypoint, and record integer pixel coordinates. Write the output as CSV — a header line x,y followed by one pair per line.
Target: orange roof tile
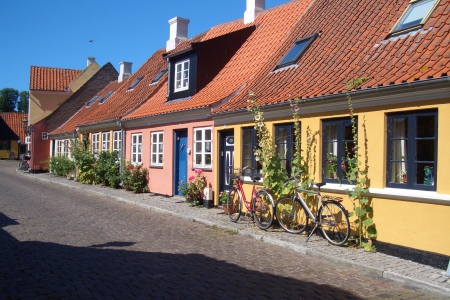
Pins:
x,y
14,122
51,79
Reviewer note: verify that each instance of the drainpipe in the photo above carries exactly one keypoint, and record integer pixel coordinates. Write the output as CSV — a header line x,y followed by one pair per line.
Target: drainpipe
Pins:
x,y
122,148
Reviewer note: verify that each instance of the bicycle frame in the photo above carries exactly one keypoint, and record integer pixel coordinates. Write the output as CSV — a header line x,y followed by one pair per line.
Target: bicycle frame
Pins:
x,y
240,189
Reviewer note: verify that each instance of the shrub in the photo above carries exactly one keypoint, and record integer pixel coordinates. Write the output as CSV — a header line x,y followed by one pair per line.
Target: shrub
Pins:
x,y
84,160
193,189
61,165
107,169
135,178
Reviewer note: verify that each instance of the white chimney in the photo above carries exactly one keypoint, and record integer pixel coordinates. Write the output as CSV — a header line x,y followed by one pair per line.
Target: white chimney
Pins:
x,y
178,32
254,8
125,70
90,60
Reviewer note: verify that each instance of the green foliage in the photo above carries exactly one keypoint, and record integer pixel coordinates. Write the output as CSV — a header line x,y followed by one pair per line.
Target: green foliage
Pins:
x,y
22,105
8,99
135,178
357,176
107,169
223,197
84,160
61,165
193,189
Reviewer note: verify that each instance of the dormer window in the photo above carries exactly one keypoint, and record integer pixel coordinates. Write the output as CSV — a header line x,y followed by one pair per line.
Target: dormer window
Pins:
x,y
158,77
135,82
415,16
105,98
182,76
297,51
92,101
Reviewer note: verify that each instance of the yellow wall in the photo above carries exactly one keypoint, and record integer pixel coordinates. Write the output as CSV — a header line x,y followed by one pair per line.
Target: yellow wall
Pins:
x,y
4,154
415,224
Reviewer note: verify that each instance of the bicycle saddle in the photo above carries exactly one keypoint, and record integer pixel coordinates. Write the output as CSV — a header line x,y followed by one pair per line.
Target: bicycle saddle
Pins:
x,y
319,184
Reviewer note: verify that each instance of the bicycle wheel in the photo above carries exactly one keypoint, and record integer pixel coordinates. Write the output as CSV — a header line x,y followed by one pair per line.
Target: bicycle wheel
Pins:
x,y
26,166
234,205
262,207
291,215
334,223
20,165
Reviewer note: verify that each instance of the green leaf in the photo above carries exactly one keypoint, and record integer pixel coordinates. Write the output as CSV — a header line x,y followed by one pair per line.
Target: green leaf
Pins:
x,y
363,200
360,212
368,222
372,231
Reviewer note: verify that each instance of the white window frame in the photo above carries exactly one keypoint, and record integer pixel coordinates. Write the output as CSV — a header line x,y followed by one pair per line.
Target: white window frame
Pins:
x,y
105,141
184,80
45,135
95,142
157,148
200,147
117,141
136,148
28,139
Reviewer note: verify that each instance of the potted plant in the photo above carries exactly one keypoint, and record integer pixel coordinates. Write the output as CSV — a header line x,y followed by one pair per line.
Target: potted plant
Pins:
x,y
223,200
331,161
403,176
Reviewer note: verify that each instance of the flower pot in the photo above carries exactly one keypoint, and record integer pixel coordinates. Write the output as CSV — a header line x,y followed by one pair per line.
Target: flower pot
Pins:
x,y
226,207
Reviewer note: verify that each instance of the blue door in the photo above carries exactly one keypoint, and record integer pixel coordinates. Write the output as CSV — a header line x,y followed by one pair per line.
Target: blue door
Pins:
x,y
226,159
180,159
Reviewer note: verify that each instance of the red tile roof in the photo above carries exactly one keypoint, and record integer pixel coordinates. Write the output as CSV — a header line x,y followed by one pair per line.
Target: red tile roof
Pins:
x,y
354,42
51,79
245,64
14,121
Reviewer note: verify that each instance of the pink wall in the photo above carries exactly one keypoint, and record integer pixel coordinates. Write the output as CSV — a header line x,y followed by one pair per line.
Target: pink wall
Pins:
x,y
161,179
40,149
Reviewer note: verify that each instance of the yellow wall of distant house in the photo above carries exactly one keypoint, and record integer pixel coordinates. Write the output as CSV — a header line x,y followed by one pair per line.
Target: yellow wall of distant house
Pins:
x,y
4,154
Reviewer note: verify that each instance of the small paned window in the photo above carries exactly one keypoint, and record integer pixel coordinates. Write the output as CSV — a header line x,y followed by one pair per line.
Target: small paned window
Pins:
x,y
27,140
136,148
285,145
45,135
95,143
338,149
92,101
117,142
59,147
157,149
159,75
249,144
66,148
182,76
412,150
105,97
203,147
414,16
135,82
105,141
297,51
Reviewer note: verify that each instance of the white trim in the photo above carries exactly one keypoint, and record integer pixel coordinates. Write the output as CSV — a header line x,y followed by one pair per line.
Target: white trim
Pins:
x,y
95,143
203,151
184,81
45,135
117,141
106,141
157,152
136,148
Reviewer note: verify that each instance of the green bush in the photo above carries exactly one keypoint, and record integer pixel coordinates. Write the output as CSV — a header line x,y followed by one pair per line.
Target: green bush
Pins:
x,y
135,178
61,165
107,169
84,161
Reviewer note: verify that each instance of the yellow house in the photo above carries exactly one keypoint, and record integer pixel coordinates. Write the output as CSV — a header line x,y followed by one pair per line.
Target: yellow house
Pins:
x,y
12,135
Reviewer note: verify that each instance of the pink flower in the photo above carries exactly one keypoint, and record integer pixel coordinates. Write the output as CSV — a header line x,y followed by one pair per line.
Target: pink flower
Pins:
x,y
131,167
191,177
343,166
296,108
198,171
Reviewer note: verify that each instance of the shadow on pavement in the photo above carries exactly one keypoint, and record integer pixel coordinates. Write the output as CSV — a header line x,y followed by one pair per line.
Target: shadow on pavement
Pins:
x,y
40,270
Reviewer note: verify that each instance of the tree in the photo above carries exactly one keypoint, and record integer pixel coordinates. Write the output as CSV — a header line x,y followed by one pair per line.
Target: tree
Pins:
x,y
8,99
22,105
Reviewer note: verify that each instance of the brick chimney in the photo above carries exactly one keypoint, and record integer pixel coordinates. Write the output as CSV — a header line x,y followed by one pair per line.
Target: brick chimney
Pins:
x,y
254,8
90,60
178,32
125,70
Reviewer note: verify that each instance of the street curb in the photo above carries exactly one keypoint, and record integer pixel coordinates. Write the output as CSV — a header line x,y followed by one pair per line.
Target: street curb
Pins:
x,y
426,285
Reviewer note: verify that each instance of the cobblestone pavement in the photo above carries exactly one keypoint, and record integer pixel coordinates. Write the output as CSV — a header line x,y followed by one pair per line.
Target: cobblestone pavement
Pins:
x,y
73,241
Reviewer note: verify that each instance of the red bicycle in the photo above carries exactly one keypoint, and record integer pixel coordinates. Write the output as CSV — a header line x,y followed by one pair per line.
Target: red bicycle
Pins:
x,y
260,207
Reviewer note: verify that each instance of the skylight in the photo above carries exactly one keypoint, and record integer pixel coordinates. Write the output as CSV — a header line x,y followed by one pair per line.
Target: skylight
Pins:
x,y
92,101
135,82
297,51
159,75
105,97
414,15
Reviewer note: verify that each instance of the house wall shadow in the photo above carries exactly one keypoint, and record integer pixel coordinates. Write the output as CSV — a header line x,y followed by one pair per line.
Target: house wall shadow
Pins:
x,y
34,269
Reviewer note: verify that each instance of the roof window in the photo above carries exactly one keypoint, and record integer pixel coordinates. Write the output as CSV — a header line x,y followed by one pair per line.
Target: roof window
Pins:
x,y
105,97
297,51
92,101
415,15
135,82
159,75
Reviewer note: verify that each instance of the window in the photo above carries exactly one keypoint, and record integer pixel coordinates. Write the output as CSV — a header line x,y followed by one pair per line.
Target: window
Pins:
x,y
28,140
203,147
285,145
338,148
105,141
412,146
182,76
249,144
105,98
159,76
136,148
92,101
414,16
59,147
66,148
95,143
45,135
157,148
5,145
117,142
297,51
135,82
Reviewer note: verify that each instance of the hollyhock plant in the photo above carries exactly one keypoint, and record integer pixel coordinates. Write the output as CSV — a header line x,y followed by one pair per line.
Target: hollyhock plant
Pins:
x,y
193,189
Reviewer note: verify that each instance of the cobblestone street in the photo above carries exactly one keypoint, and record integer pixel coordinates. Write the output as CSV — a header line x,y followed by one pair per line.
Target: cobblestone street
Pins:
x,y
58,242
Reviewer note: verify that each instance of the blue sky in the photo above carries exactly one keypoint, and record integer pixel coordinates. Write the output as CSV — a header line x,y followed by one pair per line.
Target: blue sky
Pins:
x,y
56,33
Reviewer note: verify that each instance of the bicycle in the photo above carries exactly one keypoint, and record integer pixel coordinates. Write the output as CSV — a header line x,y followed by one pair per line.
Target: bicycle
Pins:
x,y
261,206
293,214
23,164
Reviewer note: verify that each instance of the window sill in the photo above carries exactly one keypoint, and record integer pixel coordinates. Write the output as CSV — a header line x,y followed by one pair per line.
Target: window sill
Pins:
x,y
156,167
206,169
395,194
